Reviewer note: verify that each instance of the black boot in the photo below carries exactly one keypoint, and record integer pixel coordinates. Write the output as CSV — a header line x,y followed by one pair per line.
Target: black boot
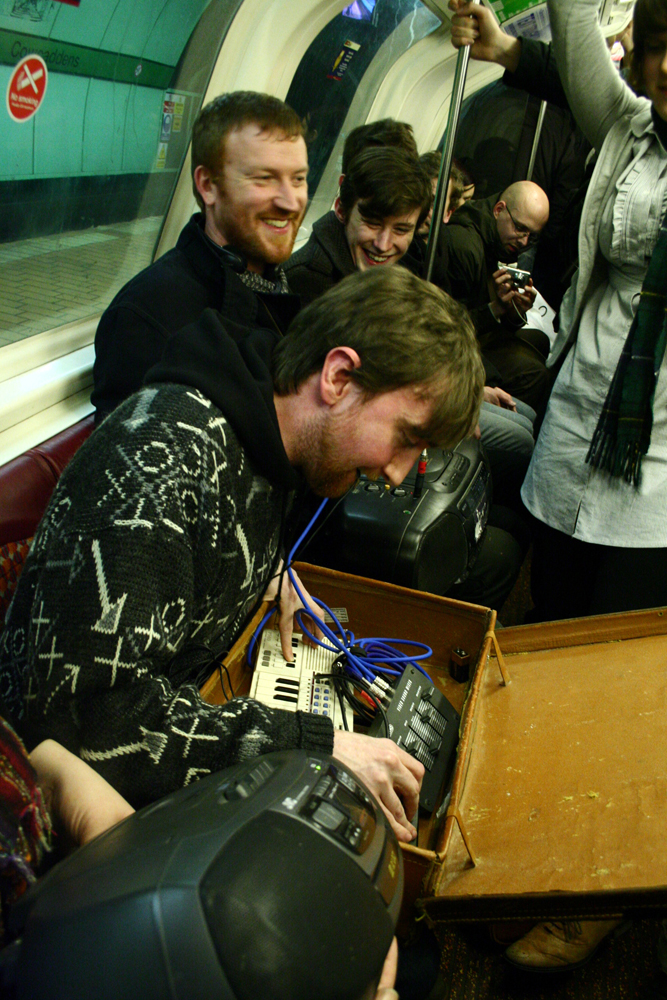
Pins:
x,y
418,976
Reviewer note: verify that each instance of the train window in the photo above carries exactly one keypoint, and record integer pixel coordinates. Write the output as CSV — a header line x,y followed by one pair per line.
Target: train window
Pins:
x,y
85,181
495,135
334,69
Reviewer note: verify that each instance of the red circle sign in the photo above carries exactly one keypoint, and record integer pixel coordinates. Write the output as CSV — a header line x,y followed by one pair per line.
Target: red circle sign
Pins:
x,y
27,87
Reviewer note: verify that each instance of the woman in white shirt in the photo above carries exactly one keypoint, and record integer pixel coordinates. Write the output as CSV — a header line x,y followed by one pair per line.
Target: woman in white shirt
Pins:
x,y
601,542
602,546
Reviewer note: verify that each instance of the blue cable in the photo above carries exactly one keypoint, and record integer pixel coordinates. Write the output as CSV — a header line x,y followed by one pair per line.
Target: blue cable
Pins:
x,y
379,655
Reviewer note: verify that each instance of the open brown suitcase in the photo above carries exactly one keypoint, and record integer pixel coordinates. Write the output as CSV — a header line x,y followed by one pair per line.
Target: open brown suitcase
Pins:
x,y
559,799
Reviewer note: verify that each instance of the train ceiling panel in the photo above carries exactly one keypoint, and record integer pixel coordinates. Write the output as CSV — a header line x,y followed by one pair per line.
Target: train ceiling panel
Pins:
x,y
152,29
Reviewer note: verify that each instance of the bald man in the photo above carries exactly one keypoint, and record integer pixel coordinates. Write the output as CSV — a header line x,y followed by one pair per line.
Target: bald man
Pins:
x,y
481,237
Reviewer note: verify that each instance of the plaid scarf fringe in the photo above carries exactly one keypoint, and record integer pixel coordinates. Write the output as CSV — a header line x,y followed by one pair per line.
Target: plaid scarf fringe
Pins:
x,y
620,459
623,433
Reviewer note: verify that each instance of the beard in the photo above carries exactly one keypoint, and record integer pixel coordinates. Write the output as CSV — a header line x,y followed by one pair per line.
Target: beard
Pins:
x,y
508,256
259,250
243,230
318,462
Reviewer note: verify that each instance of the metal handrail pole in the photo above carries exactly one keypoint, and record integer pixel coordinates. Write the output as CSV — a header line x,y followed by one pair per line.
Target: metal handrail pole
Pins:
x,y
447,155
536,140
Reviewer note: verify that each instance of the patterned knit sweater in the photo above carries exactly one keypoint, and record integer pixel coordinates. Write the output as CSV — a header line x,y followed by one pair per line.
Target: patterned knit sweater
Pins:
x,y
158,540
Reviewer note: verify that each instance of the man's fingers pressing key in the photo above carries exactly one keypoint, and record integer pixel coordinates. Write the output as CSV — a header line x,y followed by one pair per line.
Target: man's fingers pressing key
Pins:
x,y
289,604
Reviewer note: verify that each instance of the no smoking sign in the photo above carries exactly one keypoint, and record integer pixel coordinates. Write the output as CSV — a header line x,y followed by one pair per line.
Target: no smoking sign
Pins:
x,y
27,87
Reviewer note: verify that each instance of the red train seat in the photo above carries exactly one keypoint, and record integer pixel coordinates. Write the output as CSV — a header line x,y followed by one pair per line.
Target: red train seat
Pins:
x,y
26,485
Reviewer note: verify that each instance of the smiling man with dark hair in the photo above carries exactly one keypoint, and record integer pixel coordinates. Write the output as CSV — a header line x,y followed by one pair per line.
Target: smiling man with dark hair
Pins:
x,y
387,132
384,197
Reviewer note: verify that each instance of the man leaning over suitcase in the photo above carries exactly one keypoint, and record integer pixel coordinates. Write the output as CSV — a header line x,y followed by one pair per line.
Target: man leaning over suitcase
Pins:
x,y
170,522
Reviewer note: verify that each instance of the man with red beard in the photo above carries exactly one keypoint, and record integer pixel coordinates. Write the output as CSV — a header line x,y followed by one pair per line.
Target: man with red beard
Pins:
x,y
169,525
249,170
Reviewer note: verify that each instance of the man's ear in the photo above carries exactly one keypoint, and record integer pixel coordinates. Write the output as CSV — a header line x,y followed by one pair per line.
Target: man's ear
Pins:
x,y
204,184
335,382
338,209
497,208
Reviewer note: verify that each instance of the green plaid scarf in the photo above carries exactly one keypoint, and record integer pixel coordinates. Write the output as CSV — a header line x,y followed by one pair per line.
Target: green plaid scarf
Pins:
x,y
623,433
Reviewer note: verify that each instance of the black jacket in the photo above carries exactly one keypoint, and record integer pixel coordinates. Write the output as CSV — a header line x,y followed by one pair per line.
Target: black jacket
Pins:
x,y
163,298
537,73
322,262
467,254
231,365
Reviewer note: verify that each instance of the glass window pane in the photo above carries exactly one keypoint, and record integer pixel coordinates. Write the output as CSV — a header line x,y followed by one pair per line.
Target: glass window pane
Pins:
x,y
493,136
333,68
85,182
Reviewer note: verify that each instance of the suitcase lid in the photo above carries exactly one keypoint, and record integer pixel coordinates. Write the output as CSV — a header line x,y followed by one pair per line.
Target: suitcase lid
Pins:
x,y
559,801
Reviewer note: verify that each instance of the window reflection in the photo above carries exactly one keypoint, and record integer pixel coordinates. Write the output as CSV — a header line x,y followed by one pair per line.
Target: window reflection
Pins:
x,y
360,10
334,67
85,183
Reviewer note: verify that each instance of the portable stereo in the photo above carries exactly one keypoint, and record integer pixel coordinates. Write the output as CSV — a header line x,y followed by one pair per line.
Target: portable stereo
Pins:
x,y
279,877
426,542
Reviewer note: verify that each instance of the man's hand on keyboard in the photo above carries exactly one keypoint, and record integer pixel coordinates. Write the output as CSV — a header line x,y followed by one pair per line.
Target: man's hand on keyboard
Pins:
x,y
289,604
392,775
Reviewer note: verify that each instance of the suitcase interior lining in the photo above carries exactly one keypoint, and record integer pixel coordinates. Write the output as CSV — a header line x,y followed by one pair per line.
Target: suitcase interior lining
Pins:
x,y
566,781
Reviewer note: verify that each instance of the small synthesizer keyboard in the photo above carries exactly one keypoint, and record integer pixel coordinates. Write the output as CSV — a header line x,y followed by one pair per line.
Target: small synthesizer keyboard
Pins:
x,y
297,686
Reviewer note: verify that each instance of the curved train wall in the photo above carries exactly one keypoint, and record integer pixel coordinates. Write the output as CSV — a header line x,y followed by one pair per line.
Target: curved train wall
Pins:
x,y
125,80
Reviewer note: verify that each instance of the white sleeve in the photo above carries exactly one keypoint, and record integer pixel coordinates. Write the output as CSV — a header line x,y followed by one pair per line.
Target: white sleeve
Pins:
x,y
596,93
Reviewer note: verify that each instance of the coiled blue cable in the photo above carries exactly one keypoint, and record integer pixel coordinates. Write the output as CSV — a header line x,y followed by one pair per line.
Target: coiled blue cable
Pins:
x,y
380,657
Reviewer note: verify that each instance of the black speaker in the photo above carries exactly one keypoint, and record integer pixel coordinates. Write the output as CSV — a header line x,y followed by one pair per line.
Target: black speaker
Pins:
x,y
279,877
427,542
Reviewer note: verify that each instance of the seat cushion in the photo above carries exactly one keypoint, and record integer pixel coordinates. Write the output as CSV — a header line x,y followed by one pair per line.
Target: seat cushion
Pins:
x,y
12,557
27,482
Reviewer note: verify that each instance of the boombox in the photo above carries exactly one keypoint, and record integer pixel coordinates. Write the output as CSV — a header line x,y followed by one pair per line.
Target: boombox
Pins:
x,y
278,877
427,542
